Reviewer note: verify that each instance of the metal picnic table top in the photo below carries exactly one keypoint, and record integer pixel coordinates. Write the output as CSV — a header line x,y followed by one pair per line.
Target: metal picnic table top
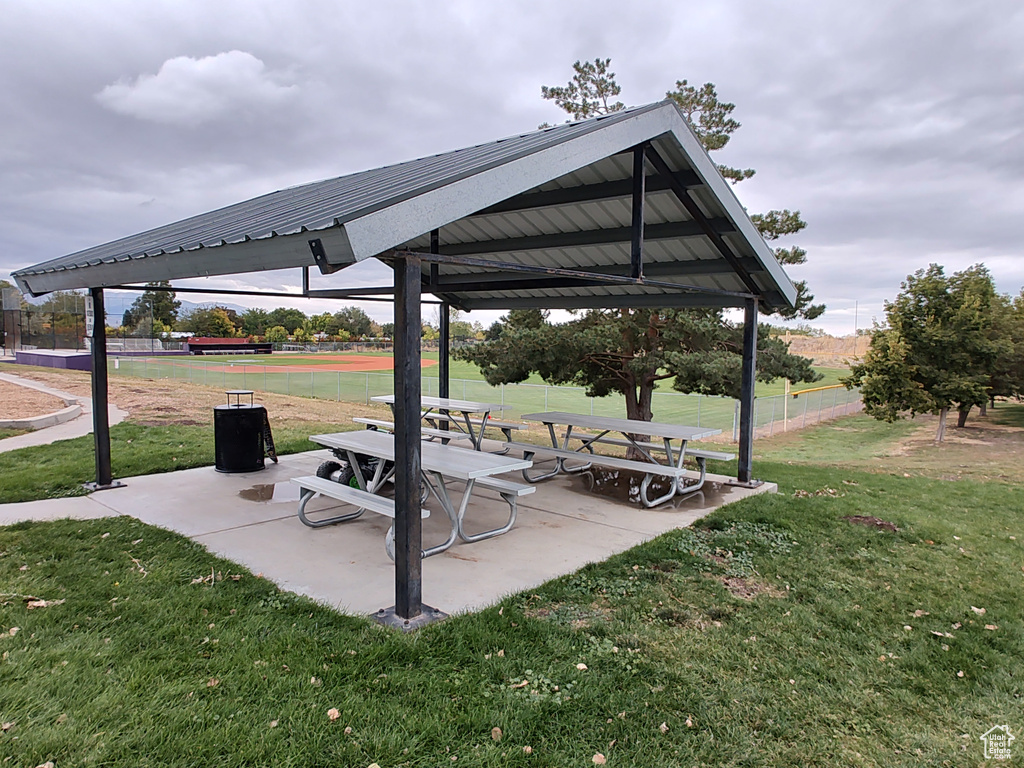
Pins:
x,y
624,426
446,404
448,460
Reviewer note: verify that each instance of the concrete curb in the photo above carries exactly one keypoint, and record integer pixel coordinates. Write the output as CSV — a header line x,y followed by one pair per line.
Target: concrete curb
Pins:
x,y
72,411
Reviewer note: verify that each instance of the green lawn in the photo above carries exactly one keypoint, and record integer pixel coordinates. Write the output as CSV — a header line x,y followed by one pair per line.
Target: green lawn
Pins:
x,y
53,471
775,633
230,372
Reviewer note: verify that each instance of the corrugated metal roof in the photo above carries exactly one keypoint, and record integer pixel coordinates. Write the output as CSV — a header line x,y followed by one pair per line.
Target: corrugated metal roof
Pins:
x,y
365,214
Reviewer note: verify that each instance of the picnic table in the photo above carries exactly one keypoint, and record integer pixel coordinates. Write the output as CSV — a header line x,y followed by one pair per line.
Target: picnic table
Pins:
x,y
438,410
670,439
440,465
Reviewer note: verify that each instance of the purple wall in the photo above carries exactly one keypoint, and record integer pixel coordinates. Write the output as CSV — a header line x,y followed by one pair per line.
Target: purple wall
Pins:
x,y
75,361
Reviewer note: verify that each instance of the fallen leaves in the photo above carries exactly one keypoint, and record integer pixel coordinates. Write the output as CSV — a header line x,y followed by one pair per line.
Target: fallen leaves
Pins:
x,y
689,722
333,714
979,611
213,682
581,667
919,613
528,749
37,603
832,492
960,673
991,627
138,565
599,759
273,723
496,733
663,727
5,727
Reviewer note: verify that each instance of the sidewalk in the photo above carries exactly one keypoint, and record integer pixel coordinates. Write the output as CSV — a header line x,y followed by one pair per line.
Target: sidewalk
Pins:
x,y
251,519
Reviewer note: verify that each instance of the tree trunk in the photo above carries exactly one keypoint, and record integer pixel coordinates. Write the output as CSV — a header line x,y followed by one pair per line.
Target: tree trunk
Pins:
x,y
638,408
961,418
942,425
983,409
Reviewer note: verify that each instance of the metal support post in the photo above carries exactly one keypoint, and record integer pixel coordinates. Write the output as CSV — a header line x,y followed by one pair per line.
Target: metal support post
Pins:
x,y
100,413
408,612
636,252
746,448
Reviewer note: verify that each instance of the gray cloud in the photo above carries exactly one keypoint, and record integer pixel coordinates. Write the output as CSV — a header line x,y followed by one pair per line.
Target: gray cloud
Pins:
x,y
190,91
893,127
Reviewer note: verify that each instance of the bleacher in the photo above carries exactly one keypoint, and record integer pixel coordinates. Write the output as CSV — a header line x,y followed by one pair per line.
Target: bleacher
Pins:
x,y
201,345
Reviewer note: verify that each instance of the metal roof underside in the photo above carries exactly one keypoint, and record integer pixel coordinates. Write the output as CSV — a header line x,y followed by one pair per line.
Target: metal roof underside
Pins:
x,y
557,198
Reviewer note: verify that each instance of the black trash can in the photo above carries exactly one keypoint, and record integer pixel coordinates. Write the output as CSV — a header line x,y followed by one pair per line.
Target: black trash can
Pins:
x,y
238,433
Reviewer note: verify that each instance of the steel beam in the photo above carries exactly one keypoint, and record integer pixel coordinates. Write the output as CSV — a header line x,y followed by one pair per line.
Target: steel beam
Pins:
x,y
618,301
408,533
408,612
636,246
444,335
100,412
673,230
555,272
586,193
746,449
709,227
479,281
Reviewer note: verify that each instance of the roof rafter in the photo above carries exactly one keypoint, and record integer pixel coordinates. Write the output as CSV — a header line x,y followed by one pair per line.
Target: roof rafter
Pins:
x,y
674,230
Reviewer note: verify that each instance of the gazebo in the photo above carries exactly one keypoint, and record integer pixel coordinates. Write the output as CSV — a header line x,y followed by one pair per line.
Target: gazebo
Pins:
x,y
621,210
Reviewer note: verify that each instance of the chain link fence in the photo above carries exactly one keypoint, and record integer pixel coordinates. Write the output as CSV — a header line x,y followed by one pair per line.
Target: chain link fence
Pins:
x,y
771,414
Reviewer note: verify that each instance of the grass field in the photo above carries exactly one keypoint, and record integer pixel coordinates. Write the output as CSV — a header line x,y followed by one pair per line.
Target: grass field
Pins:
x,y
241,372
774,633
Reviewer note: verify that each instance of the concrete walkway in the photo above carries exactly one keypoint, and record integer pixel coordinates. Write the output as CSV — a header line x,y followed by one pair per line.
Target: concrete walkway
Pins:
x,y
250,519
77,427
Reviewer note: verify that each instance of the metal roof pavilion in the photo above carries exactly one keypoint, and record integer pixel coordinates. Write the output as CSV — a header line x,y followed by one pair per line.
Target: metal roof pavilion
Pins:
x,y
555,198
622,210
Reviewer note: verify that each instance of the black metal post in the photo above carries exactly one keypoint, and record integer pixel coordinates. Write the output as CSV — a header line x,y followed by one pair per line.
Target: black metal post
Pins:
x,y
444,332
408,612
637,241
100,413
746,458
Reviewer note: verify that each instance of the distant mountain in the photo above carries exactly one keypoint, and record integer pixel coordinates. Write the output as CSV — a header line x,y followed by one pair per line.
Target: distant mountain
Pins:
x,y
188,306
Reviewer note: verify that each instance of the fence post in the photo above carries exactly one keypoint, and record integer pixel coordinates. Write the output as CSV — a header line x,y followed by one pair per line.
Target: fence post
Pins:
x,y
771,428
735,421
806,401
835,396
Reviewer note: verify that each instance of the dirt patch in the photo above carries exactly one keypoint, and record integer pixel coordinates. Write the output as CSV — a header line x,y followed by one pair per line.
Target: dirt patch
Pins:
x,y
871,522
18,402
747,588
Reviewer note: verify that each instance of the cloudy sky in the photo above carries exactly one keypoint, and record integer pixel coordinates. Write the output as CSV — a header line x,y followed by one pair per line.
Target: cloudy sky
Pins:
x,y
893,127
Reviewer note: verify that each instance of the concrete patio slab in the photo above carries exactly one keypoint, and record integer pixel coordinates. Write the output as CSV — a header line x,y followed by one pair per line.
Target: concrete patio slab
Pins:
x,y
251,519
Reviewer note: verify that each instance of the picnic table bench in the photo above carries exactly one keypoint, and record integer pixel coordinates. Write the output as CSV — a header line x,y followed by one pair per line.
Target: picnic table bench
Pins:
x,y
630,429
441,464
441,409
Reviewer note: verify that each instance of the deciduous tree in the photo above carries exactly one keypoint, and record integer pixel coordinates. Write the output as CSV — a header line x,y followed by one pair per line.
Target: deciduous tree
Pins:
x,y
937,350
631,350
